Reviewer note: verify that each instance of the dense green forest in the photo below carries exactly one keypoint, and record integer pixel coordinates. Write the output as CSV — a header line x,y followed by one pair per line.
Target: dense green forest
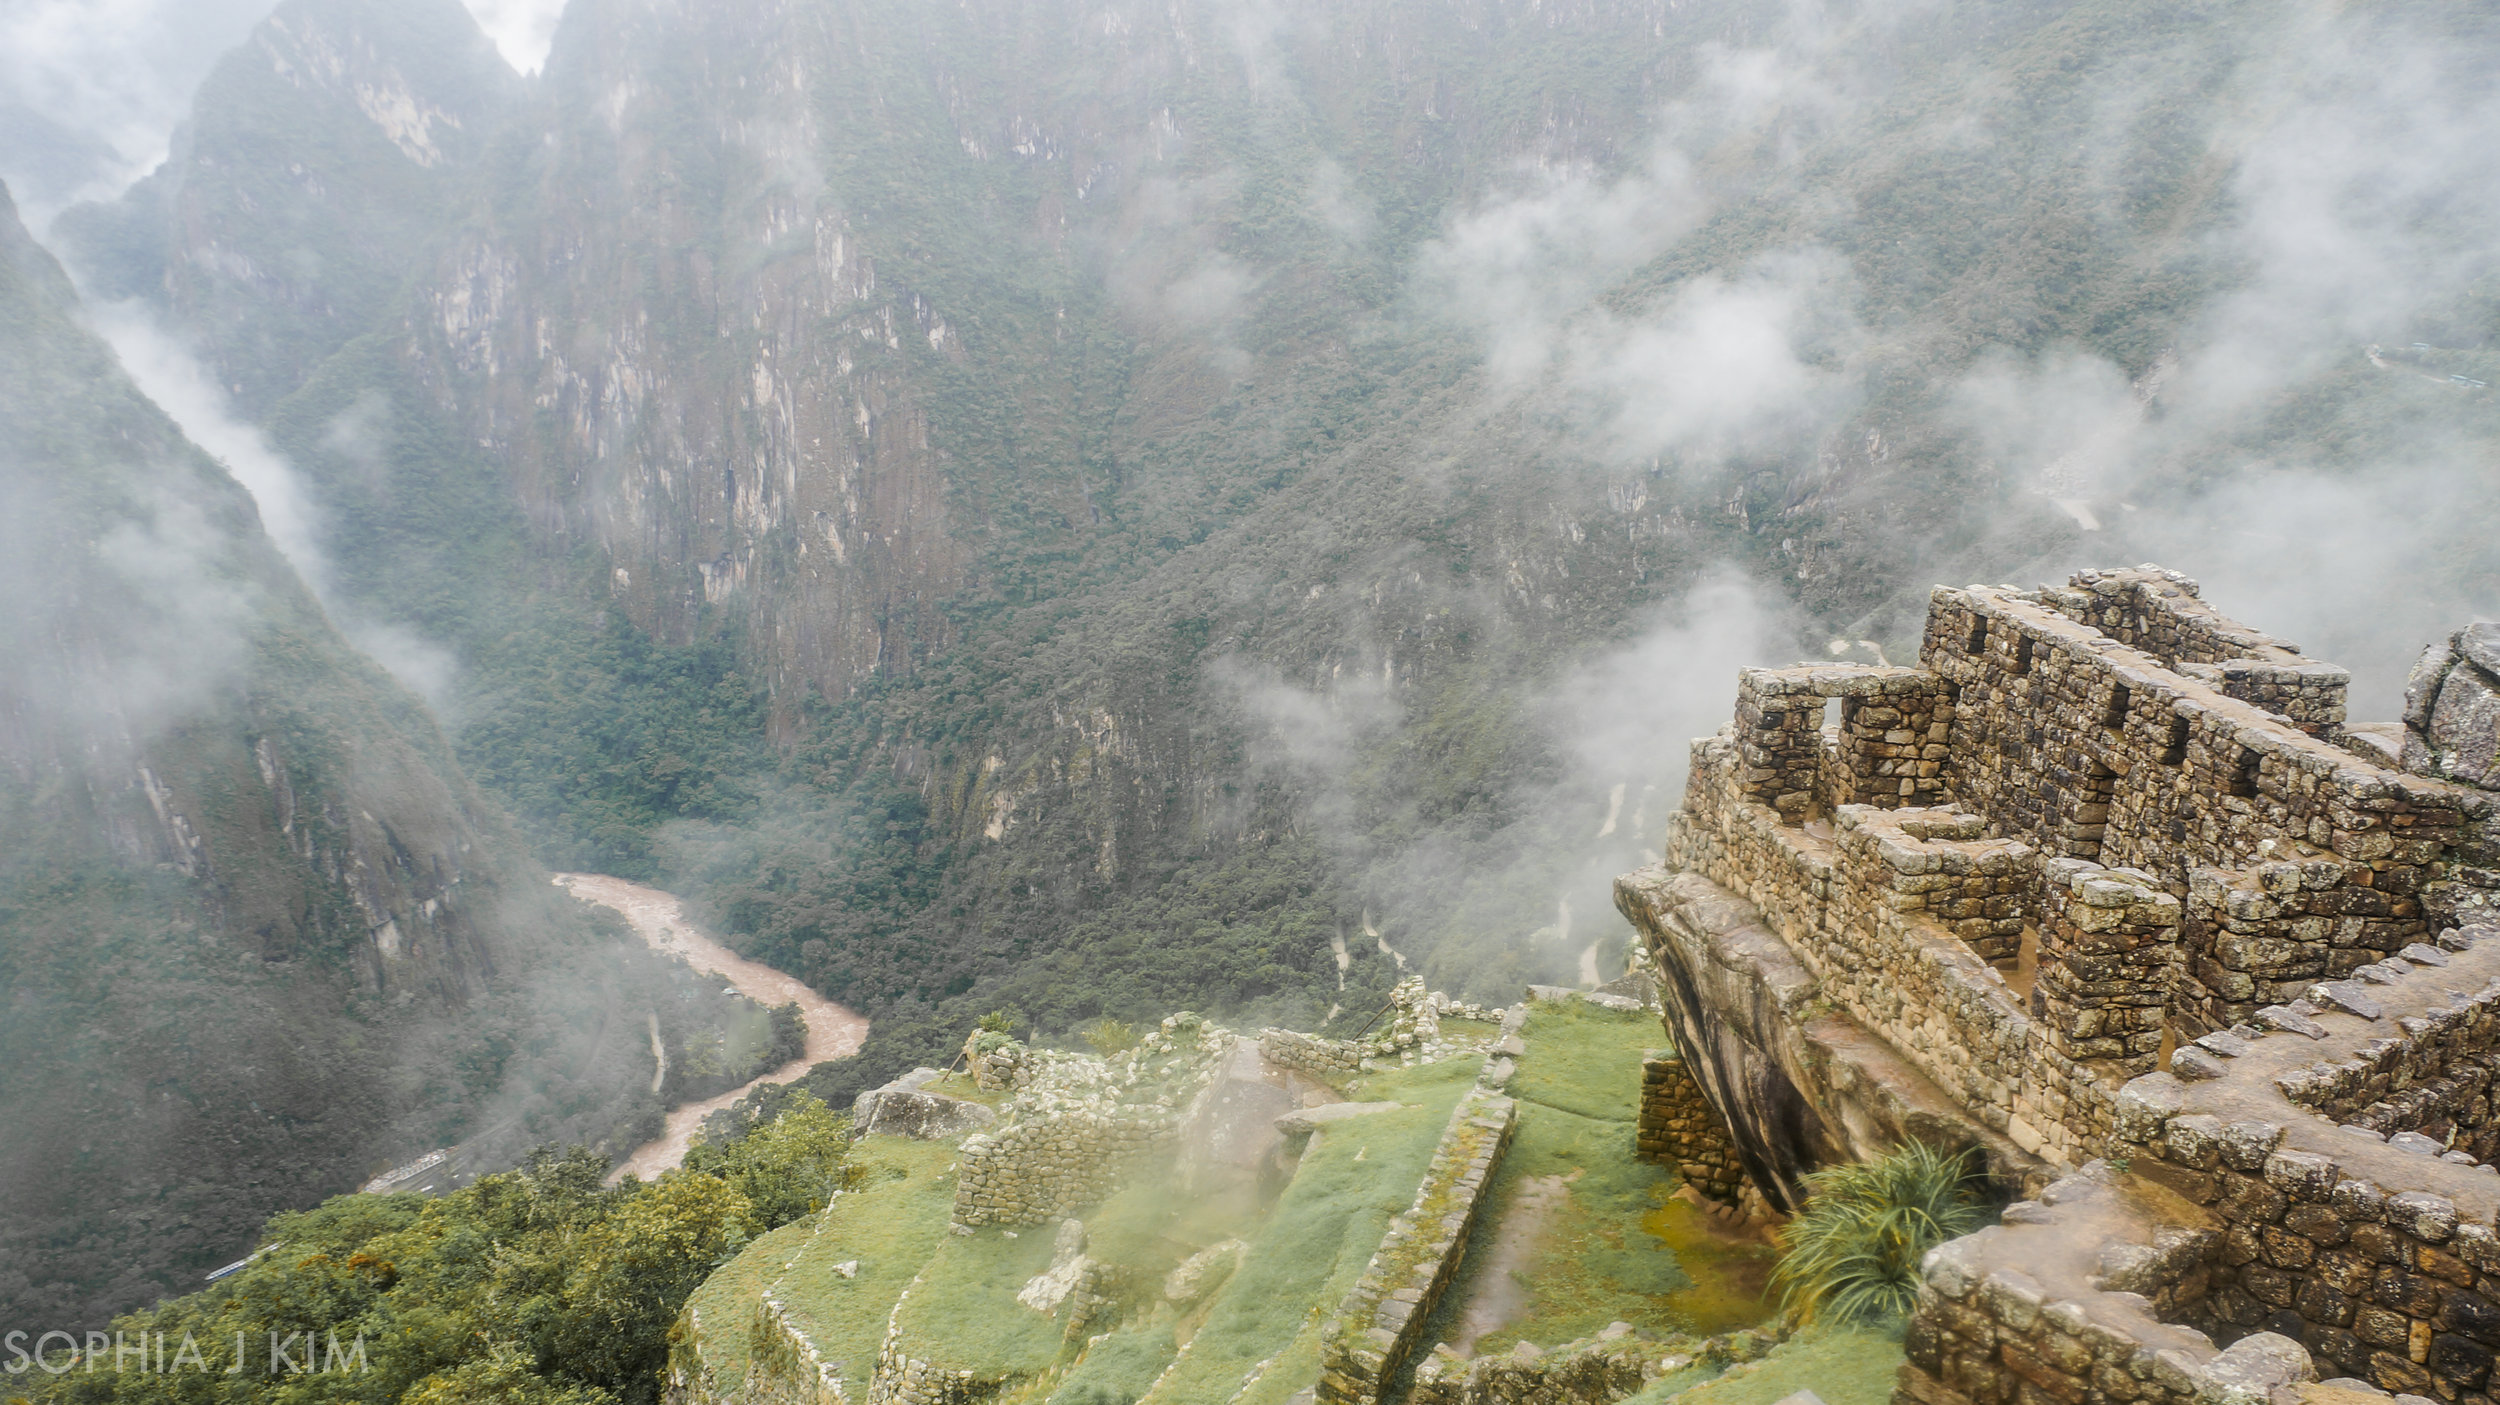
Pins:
x,y
537,1286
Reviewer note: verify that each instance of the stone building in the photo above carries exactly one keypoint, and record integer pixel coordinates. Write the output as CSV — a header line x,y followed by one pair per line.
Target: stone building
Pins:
x,y
2109,890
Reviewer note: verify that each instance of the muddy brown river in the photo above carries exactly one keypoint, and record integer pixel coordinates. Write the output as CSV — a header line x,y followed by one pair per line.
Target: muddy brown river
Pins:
x,y
832,1031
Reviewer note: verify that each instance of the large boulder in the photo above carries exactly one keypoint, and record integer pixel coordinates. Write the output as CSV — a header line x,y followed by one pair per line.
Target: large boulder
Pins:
x,y
905,1108
2452,709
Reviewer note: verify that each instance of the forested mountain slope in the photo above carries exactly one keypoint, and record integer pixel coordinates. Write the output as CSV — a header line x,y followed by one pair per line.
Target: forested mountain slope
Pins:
x,y
259,937
1089,509
323,159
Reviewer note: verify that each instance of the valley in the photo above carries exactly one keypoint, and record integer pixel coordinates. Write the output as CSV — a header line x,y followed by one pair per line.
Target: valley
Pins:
x,y
947,704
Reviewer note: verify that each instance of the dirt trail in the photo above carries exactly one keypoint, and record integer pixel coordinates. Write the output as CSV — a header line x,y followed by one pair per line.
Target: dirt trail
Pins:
x,y
832,1031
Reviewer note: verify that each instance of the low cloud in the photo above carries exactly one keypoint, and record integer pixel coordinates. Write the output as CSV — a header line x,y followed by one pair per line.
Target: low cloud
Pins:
x,y
1754,363
1527,900
523,30
1517,270
166,371
181,386
118,74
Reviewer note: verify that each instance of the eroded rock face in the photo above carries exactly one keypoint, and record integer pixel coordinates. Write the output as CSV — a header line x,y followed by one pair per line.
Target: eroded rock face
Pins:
x,y
2452,709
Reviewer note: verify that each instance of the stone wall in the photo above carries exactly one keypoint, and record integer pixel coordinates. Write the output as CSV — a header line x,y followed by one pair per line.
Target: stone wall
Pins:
x,y
2262,935
1613,1365
1679,1128
2065,1302
2069,741
902,1379
1055,1164
2377,1252
1328,1058
998,1063
2109,958
1799,1080
2159,612
1878,913
1079,1124
2436,1077
1407,1027
1887,752
1375,1328
782,1368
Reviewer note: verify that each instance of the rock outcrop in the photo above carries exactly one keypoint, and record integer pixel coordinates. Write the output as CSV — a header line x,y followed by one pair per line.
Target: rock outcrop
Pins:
x,y
2452,709
905,1108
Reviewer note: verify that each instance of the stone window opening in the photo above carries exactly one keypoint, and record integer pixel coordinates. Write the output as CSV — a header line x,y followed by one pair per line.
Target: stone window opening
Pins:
x,y
1978,641
2174,747
2022,656
2121,697
2244,772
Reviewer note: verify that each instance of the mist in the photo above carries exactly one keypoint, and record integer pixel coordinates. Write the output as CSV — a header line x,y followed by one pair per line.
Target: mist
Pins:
x,y
91,91
180,385
2357,196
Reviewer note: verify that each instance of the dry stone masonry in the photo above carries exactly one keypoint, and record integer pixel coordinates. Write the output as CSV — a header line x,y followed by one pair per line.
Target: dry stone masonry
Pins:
x,y
1078,1124
1679,1128
1613,1365
1407,1031
2109,875
1376,1327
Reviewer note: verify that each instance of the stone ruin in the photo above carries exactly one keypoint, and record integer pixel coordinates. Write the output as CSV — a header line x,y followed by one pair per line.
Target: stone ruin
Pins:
x,y
2109,891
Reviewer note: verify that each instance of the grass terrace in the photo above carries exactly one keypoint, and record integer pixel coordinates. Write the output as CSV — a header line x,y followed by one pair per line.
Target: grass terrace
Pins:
x,y
1580,1232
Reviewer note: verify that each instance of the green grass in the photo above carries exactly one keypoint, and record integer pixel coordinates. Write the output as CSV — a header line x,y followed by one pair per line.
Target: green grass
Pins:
x,y
891,1225
1612,1246
1843,1366
963,1314
1303,1256
1119,1368
1307,1253
726,1301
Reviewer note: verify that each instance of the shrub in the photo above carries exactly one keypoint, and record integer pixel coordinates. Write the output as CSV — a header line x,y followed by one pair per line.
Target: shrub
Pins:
x,y
1109,1036
1852,1254
786,1167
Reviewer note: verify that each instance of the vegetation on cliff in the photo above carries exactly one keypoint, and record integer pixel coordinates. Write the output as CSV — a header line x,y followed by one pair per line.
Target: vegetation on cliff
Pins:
x,y
1181,449
537,1286
259,936
1005,515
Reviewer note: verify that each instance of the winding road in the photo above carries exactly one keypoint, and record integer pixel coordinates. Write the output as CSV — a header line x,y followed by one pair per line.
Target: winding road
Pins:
x,y
832,1031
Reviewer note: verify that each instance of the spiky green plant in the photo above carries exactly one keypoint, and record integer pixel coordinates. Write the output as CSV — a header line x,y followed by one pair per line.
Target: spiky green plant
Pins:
x,y
1852,1254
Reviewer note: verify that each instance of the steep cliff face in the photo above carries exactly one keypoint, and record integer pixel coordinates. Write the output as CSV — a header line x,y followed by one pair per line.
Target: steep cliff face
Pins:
x,y
259,935
817,318
324,158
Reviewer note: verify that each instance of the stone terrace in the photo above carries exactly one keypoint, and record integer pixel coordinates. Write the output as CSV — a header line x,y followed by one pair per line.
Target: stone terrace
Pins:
x,y
2100,823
